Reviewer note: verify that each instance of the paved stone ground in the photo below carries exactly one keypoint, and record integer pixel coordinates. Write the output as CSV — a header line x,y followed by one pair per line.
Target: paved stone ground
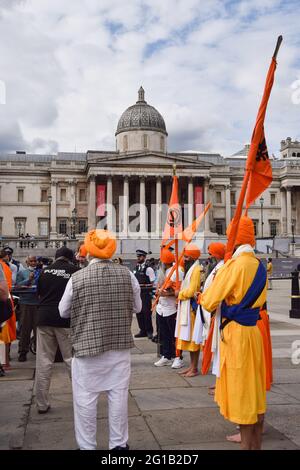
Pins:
x,y
166,411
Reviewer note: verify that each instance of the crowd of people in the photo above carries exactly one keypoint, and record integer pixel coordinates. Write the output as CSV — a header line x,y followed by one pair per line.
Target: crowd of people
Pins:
x,y
83,305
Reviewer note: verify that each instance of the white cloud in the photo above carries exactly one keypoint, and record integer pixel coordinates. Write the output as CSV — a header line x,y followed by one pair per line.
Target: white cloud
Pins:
x,y
72,68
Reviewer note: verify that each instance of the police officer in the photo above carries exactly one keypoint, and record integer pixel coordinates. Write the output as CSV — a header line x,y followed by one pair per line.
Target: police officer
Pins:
x,y
146,277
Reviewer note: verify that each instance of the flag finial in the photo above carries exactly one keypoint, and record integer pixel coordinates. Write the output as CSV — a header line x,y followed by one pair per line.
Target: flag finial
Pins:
x,y
174,169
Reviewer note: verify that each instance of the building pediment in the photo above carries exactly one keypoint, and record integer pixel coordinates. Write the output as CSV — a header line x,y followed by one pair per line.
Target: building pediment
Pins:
x,y
146,160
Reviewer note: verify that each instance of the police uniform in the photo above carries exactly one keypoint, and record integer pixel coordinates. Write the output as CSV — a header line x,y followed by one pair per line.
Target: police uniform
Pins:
x,y
145,275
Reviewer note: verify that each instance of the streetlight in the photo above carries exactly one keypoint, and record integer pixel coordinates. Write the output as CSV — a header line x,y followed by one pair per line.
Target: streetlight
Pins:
x,y
49,201
261,200
293,231
74,215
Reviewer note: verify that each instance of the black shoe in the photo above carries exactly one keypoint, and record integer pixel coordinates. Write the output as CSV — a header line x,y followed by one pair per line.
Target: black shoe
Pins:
x,y
22,357
121,448
2,373
155,339
150,335
43,412
141,335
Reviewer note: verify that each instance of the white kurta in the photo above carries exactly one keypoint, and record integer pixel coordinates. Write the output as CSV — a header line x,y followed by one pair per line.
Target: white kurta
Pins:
x,y
183,319
107,372
201,330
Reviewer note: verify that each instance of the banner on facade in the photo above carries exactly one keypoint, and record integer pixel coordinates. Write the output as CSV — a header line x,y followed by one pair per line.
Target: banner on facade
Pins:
x,y
100,212
198,200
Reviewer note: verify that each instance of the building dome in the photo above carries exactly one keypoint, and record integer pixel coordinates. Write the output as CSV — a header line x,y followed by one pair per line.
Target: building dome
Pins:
x,y
141,116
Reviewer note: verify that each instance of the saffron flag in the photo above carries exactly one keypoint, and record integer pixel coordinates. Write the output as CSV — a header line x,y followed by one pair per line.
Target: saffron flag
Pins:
x,y
189,232
258,162
173,224
187,236
258,171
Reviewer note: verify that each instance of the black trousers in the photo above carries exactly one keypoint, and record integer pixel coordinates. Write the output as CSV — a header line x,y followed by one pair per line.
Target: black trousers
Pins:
x,y
29,317
144,318
166,326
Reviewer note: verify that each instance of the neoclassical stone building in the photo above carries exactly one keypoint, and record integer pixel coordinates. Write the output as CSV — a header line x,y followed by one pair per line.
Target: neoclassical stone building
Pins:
x,y
128,189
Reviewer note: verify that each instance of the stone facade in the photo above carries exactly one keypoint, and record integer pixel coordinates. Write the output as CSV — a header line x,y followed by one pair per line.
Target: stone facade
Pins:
x,y
55,195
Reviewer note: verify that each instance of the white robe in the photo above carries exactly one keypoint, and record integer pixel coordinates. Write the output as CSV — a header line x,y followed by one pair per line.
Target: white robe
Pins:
x,y
183,320
201,329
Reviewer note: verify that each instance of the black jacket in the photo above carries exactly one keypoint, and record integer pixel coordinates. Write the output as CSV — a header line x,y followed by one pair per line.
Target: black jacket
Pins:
x,y
50,288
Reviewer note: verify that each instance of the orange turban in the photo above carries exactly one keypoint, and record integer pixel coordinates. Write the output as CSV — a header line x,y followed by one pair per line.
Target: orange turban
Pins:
x,y
100,243
166,256
82,251
245,233
192,250
217,250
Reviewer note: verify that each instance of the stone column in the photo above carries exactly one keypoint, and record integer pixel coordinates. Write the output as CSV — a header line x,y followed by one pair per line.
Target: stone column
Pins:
x,y
227,205
143,229
190,201
158,206
72,184
283,197
92,203
125,205
53,228
206,200
289,210
109,204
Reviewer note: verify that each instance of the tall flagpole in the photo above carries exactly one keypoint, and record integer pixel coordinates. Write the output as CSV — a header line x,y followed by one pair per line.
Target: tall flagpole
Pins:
x,y
176,245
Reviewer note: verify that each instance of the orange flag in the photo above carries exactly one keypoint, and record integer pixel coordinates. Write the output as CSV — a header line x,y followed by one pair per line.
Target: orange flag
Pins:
x,y
189,232
173,224
258,172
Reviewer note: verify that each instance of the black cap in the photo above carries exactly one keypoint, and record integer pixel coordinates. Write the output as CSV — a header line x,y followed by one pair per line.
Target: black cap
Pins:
x,y
64,252
8,249
141,253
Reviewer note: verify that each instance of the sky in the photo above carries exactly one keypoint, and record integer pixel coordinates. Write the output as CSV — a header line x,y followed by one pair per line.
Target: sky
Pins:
x,y
68,70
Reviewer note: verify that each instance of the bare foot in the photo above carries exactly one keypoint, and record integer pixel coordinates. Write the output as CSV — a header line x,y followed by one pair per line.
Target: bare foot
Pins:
x,y
183,372
192,373
234,438
211,390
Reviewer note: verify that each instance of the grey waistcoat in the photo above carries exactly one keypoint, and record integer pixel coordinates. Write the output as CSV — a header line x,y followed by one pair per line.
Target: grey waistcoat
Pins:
x,y
102,307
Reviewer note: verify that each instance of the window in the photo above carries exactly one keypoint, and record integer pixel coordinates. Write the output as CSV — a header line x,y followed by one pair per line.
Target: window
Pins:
x,y
82,225
273,199
63,194
220,227
44,195
20,226
298,155
293,154
232,198
145,141
125,143
20,195
43,227
162,144
255,223
218,197
62,226
82,194
273,228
